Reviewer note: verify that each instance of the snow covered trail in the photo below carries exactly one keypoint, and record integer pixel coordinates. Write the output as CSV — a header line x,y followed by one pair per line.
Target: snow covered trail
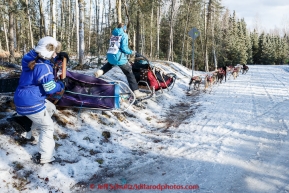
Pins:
x,y
235,141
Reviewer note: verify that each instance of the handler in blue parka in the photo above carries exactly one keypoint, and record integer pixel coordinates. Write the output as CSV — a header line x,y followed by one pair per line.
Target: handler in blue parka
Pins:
x,y
36,82
117,56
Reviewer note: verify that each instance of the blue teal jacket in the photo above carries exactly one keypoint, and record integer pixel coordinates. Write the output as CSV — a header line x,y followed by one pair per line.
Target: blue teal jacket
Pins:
x,y
34,85
120,58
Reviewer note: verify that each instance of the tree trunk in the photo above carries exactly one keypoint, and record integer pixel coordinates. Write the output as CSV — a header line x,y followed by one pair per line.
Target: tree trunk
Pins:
x,y
118,8
185,31
89,24
11,32
68,29
213,39
206,40
73,34
43,30
62,20
101,29
29,23
171,31
6,36
142,32
134,40
81,32
77,26
16,48
187,55
97,28
127,16
158,31
53,15
151,32
109,12
137,31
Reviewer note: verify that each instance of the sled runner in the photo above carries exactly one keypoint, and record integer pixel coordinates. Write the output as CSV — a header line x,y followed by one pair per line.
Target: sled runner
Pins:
x,y
151,79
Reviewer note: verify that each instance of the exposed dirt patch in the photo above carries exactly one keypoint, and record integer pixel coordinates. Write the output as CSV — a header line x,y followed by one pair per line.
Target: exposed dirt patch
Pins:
x,y
181,111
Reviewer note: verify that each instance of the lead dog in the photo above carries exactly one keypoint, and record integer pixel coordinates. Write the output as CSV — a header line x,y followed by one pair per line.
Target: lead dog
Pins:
x,y
197,81
245,69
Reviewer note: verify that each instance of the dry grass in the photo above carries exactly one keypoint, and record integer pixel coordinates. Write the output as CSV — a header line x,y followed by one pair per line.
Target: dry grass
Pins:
x,y
6,54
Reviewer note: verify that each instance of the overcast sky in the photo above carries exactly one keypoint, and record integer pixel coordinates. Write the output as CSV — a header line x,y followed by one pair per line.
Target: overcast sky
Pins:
x,y
268,13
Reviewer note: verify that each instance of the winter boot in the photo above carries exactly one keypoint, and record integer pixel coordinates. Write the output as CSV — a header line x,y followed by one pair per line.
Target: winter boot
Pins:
x,y
98,73
36,158
24,140
139,94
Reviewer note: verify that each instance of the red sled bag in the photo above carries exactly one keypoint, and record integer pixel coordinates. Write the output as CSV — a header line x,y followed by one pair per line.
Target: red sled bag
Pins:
x,y
158,80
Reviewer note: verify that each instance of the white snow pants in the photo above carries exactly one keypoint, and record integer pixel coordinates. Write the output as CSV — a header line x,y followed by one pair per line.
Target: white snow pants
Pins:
x,y
43,121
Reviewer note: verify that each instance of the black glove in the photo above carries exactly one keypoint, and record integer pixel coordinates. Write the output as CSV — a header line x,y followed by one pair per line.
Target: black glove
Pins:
x,y
62,55
62,84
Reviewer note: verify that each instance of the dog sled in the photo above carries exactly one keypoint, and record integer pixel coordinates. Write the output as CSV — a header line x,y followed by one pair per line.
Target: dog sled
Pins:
x,y
151,79
83,91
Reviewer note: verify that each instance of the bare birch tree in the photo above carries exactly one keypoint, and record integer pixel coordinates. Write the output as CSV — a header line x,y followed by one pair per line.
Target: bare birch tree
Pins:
x,y
151,32
206,39
68,26
42,19
77,26
118,8
170,40
5,33
81,32
53,18
158,29
29,23
109,12
11,31
185,30
89,24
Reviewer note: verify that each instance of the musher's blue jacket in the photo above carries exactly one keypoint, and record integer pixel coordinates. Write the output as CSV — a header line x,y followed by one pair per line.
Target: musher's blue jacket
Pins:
x,y
121,57
34,85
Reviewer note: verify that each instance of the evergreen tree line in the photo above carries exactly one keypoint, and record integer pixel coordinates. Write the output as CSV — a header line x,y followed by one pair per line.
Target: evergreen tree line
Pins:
x,y
157,29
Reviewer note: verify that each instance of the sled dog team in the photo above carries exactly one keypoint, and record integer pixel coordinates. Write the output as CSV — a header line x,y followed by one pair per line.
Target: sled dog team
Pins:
x,y
218,76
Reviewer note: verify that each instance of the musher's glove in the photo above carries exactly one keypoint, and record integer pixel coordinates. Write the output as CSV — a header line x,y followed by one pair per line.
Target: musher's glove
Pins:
x,y
56,96
62,55
62,83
